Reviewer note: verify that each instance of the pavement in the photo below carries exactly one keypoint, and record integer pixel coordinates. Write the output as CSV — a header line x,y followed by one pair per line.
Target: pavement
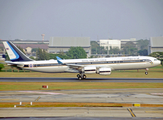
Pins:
x,y
141,96
82,112
38,79
134,95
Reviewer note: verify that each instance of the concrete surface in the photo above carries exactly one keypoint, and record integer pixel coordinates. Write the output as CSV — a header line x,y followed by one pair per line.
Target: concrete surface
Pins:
x,y
145,96
80,112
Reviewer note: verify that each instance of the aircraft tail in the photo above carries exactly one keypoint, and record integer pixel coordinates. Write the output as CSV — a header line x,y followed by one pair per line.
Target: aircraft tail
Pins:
x,y
14,53
58,60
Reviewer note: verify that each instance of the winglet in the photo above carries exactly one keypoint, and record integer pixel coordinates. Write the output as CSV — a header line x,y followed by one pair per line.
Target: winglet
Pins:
x,y
58,60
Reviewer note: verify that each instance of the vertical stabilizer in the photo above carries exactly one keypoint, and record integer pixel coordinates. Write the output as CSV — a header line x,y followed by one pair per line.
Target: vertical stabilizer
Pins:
x,y
14,53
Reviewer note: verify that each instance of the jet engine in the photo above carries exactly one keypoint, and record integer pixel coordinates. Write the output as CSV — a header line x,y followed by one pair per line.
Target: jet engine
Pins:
x,y
89,69
104,71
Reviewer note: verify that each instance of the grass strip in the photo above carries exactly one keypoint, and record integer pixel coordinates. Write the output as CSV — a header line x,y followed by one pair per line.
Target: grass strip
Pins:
x,y
16,86
60,104
53,104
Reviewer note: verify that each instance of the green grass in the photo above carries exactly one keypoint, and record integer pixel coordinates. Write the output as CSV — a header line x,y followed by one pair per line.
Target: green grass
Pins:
x,y
53,104
63,104
156,72
11,86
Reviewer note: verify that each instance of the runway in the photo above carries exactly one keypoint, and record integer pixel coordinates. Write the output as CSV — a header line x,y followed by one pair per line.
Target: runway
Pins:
x,y
132,95
84,113
38,79
139,95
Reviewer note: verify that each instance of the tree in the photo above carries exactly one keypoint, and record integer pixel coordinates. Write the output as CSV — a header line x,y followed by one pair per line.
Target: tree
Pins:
x,y
94,46
158,55
130,48
34,49
96,49
7,57
32,58
45,55
1,66
53,56
76,52
41,54
114,50
143,44
143,52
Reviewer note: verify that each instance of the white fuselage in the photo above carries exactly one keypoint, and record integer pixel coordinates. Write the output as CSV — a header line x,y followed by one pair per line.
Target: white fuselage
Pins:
x,y
115,63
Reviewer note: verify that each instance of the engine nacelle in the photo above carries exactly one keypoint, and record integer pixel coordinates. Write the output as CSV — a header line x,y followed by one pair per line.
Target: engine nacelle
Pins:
x,y
104,71
89,69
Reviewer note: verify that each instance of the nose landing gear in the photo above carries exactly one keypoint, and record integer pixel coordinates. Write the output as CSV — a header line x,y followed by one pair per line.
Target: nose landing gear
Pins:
x,y
81,76
146,72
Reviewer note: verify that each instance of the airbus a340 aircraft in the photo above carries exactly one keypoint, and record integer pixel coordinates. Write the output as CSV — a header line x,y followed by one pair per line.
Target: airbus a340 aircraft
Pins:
x,y
102,66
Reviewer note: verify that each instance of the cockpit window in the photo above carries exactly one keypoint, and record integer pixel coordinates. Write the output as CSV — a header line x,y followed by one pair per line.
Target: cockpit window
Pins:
x,y
155,59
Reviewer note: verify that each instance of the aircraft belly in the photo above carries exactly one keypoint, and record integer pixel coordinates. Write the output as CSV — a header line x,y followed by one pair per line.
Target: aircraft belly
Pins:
x,y
49,69
130,66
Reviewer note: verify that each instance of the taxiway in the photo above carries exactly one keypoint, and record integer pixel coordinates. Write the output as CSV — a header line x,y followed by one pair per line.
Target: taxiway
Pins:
x,y
38,79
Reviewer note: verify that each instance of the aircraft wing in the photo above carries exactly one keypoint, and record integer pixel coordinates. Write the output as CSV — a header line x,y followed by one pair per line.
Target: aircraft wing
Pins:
x,y
82,67
73,66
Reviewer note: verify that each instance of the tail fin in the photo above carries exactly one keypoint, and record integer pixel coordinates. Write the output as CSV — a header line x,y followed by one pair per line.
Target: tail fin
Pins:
x,y
58,60
14,53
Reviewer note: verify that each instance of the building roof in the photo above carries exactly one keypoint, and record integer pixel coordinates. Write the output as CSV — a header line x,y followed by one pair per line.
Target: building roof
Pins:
x,y
24,46
69,41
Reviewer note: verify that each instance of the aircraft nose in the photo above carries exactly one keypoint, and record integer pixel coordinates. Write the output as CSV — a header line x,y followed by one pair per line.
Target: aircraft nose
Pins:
x,y
159,62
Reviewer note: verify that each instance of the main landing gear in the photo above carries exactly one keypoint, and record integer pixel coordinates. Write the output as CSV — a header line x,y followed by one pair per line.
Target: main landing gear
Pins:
x,y
146,72
81,76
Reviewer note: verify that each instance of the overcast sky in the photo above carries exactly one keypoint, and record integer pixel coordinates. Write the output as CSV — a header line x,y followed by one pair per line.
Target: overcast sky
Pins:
x,y
97,19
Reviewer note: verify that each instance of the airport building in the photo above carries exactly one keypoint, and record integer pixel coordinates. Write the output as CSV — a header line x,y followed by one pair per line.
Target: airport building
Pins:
x,y
155,45
30,41
110,43
63,44
124,41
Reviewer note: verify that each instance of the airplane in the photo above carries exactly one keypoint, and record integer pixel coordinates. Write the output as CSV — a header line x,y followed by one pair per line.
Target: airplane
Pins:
x,y
101,66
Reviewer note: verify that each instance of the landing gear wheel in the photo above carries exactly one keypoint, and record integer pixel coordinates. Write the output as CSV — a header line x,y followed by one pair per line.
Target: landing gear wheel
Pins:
x,y
84,76
79,78
146,73
78,75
